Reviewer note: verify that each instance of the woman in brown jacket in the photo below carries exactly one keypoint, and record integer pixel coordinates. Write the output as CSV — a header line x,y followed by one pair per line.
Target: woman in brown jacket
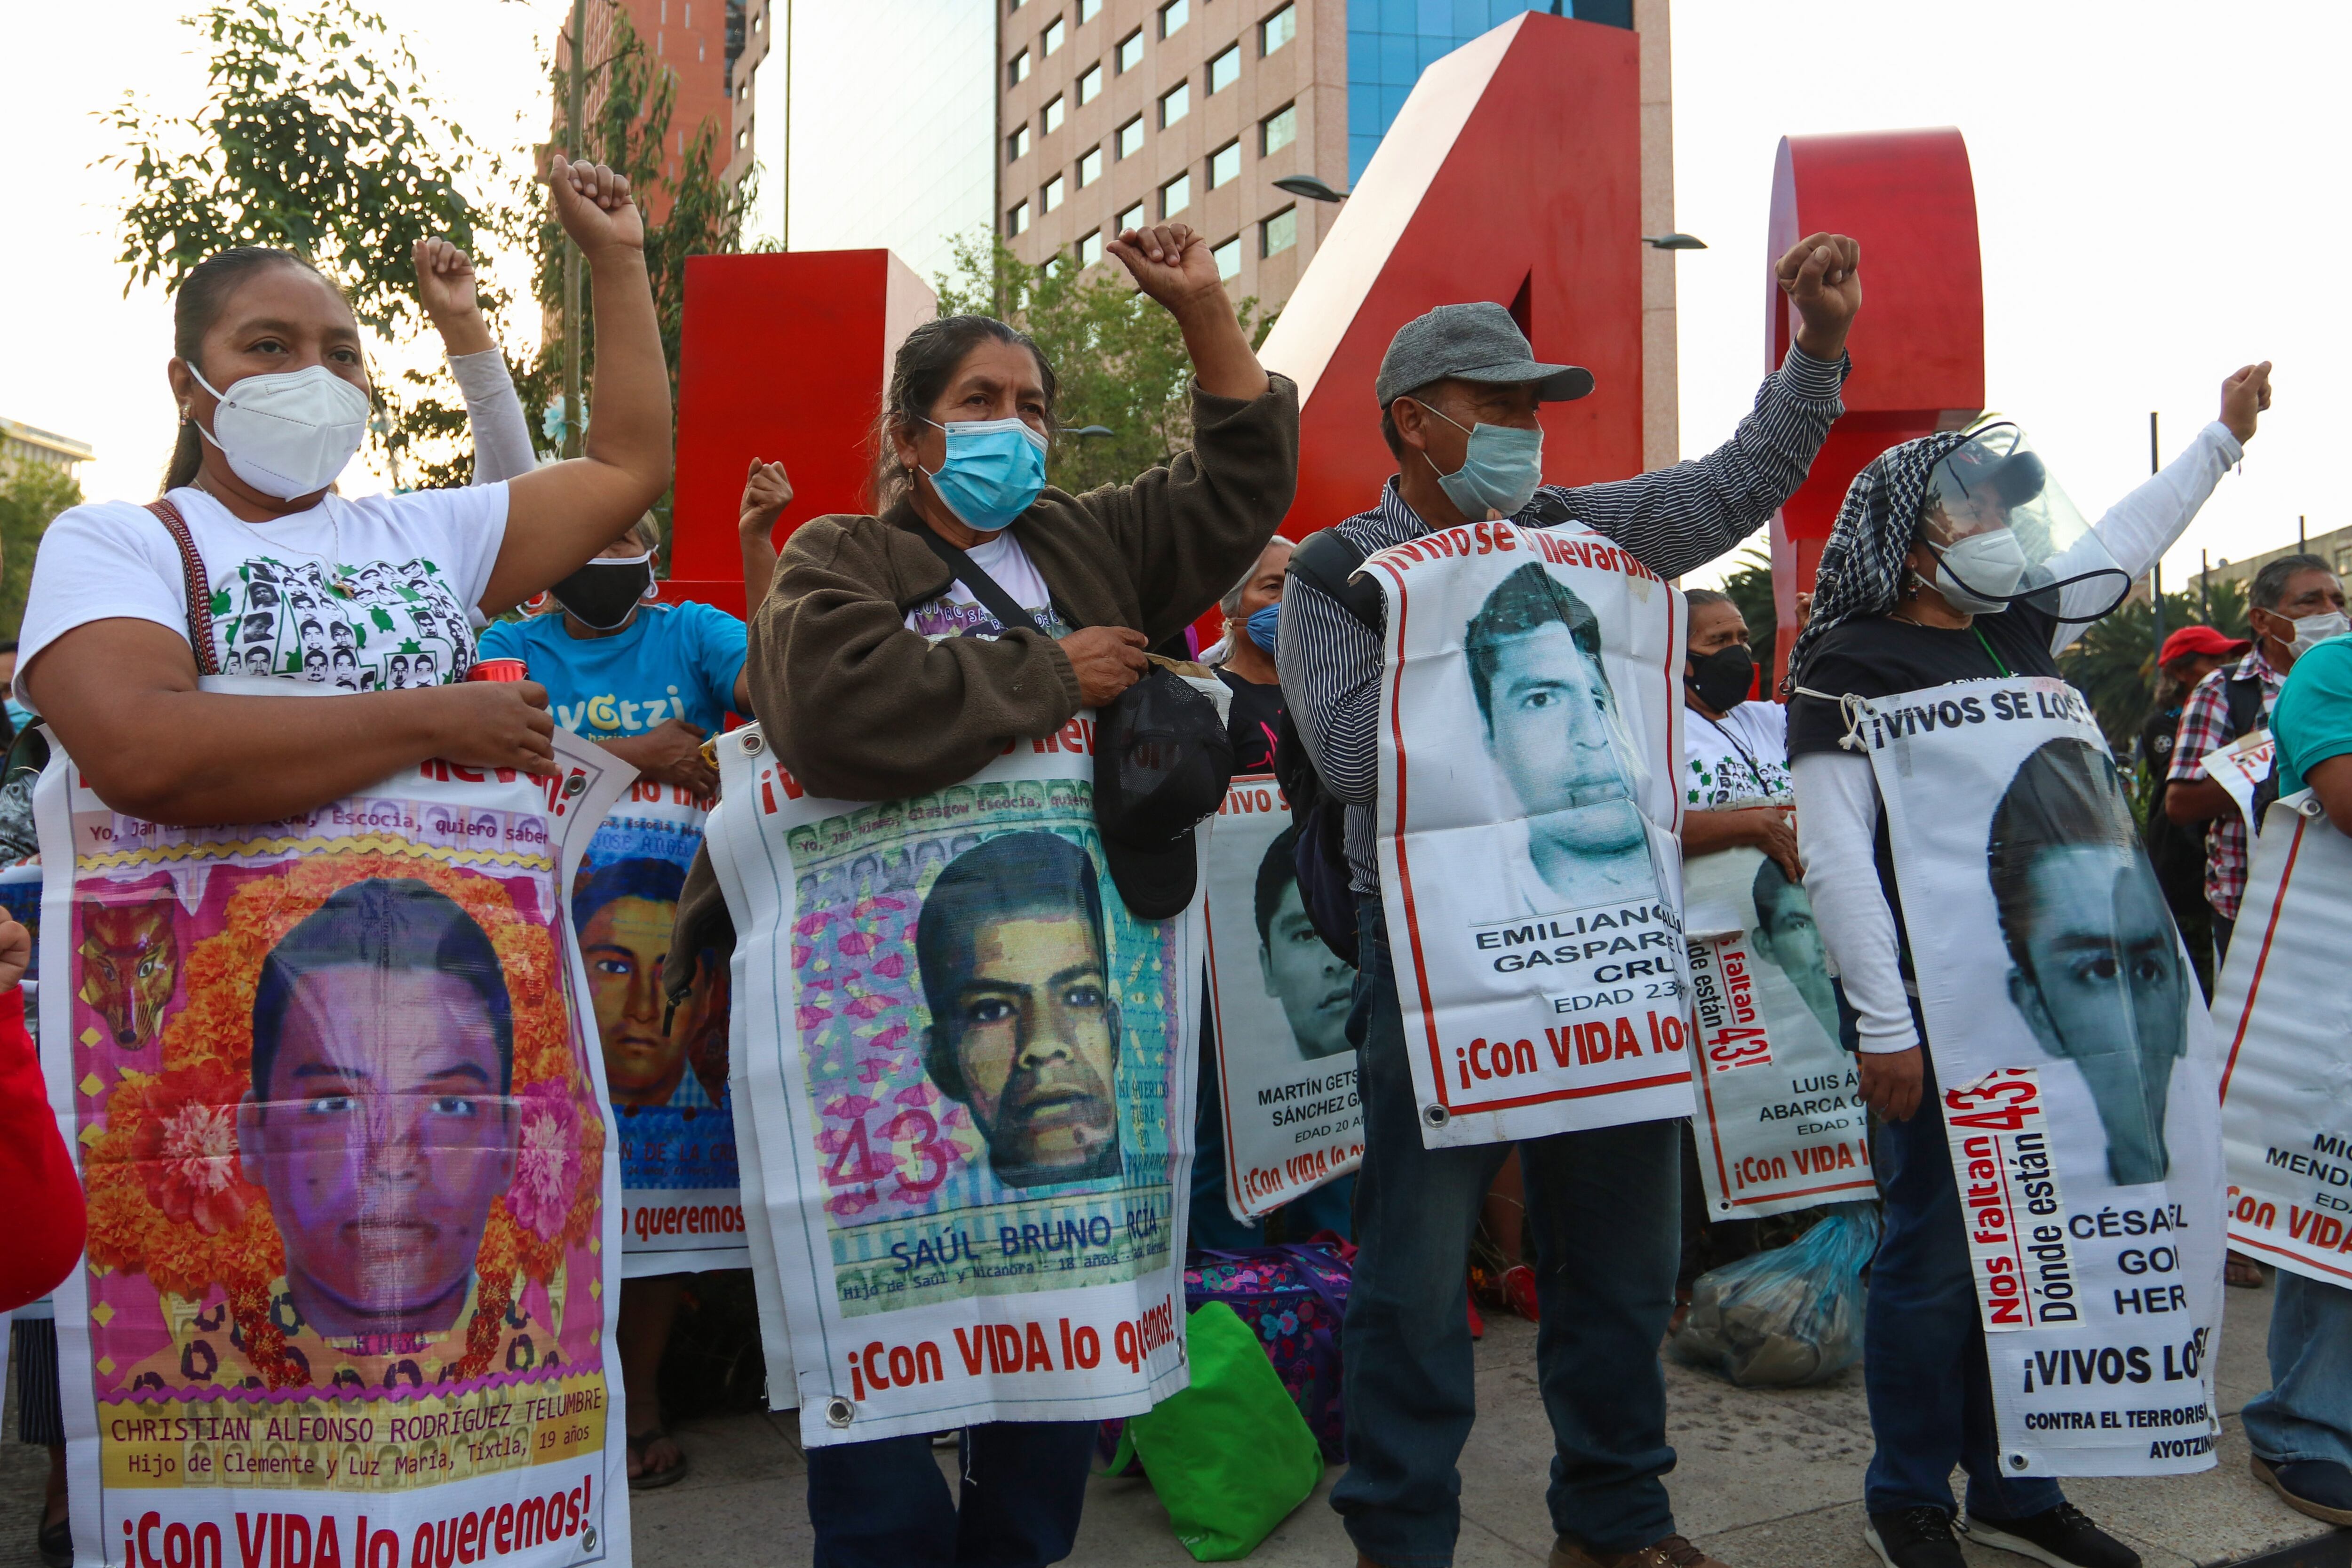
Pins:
x,y
877,673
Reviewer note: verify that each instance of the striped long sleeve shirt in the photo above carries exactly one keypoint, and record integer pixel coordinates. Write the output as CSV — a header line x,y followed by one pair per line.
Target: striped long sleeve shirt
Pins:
x,y
1672,519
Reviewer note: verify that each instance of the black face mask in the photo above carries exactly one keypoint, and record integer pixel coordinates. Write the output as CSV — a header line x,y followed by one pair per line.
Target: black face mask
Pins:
x,y
1721,680
600,595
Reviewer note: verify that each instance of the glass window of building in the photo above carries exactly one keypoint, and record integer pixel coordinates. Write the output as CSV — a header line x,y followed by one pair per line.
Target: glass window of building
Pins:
x,y
1090,165
1090,248
1278,233
1088,10
1174,14
1052,39
1229,259
1016,222
1278,130
1016,146
1130,137
1176,196
1051,196
1133,217
1392,42
1130,51
1278,29
1018,71
1225,165
1175,103
1090,84
1053,115
1225,70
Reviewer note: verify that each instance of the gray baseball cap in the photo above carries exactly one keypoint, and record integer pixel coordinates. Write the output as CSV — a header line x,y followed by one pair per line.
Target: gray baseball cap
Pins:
x,y
1471,342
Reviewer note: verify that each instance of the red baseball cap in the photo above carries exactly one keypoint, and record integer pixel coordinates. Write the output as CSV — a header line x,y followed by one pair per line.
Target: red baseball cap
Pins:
x,y
2191,641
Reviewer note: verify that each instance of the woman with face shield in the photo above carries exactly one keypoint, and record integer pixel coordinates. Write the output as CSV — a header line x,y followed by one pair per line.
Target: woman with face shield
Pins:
x,y
251,564
1956,557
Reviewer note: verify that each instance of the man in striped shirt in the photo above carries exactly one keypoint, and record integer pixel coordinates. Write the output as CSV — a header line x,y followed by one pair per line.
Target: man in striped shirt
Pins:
x,y
1458,391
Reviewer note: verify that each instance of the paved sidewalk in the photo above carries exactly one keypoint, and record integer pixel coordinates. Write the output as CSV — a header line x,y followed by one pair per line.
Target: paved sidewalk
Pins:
x,y
1765,1481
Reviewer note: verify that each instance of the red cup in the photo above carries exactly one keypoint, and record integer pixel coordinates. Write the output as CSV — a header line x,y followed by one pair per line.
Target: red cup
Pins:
x,y
498,670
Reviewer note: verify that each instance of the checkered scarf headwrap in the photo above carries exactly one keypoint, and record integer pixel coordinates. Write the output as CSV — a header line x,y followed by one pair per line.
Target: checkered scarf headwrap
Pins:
x,y
1860,570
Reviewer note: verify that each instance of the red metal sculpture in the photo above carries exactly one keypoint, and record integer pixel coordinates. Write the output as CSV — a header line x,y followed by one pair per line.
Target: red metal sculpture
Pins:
x,y
1918,344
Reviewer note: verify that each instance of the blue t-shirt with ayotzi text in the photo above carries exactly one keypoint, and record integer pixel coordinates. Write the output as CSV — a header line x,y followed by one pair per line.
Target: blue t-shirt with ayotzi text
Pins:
x,y
674,661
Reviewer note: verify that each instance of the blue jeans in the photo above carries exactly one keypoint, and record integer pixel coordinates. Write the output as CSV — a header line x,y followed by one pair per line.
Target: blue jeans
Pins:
x,y
1210,1223
883,1504
1604,1207
2306,1413
1923,1362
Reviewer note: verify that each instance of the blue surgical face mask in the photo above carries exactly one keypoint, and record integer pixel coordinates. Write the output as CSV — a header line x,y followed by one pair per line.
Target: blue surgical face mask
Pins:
x,y
1501,469
994,470
1263,623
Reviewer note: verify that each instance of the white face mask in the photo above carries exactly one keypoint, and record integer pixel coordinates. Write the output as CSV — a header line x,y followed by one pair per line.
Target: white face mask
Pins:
x,y
290,433
1991,563
2310,631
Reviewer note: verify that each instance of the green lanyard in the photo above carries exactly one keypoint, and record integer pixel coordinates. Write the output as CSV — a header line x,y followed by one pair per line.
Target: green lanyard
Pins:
x,y
1988,653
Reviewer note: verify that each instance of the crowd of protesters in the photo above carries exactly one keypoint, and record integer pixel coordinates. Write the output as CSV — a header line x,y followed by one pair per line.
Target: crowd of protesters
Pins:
x,y
881,654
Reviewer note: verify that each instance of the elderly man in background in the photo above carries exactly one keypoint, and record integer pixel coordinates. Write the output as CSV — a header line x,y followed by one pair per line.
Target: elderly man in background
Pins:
x,y
1458,391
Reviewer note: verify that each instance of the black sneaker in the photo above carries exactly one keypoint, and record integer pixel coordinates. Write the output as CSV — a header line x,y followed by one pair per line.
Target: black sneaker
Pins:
x,y
2320,1487
2063,1537
1914,1538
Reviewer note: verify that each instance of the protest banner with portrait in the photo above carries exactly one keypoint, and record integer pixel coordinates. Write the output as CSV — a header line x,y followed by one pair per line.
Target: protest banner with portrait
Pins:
x,y
1530,713
2078,1075
1278,999
2286,1078
354,1238
970,1070
1780,1124
666,1067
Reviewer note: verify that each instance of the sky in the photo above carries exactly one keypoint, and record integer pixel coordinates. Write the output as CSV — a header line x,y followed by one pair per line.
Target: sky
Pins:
x,y
2158,186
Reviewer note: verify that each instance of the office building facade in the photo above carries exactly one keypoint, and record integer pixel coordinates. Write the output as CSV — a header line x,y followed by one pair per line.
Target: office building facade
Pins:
x,y
1114,112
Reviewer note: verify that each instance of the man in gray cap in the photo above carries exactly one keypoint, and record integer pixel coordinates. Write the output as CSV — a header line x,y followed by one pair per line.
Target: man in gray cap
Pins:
x,y
1458,393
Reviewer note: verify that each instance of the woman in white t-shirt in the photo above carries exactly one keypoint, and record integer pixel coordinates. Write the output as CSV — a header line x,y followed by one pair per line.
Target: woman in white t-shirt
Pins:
x,y
372,598
1735,764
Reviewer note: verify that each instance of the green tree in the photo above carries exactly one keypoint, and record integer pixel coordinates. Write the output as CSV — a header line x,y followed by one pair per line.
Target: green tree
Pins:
x,y
2113,663
31,496
1751,590
1119,357
316,135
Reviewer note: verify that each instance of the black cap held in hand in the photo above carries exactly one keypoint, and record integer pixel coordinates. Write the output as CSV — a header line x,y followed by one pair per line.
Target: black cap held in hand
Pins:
x,y
1162,760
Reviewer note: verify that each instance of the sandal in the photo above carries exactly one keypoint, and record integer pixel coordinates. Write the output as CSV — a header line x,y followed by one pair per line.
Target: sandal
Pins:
x,y
2243,1272
57,1541
647,1479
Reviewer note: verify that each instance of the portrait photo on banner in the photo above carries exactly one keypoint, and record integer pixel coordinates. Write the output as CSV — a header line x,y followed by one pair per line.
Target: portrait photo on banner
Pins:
x,y
1279,999
359,1148
665,1067
2077,1073
985,1039
1529,863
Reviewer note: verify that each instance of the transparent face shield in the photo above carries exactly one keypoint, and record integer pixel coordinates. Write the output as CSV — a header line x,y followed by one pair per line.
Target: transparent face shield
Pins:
x,y
2004,533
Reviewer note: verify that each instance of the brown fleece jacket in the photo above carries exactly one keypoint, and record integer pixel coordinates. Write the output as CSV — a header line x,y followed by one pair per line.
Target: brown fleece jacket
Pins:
x,y
859,708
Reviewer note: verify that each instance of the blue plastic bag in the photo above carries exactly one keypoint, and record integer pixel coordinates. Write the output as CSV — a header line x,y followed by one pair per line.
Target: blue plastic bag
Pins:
x,y
1789,1317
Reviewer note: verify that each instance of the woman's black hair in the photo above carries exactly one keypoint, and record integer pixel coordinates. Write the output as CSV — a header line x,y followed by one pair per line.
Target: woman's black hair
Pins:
x,y
920,375
197,305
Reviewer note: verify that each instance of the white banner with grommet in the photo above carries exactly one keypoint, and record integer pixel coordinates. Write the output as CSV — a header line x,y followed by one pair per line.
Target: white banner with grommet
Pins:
x,y
964,1096
2077,1072
1530,867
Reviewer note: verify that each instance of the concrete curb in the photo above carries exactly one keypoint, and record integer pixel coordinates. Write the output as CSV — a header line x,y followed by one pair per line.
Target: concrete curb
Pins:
x,y
2332,1551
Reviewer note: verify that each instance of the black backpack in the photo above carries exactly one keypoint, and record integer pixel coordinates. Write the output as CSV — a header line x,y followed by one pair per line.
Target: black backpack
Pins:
x,y
1327,562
